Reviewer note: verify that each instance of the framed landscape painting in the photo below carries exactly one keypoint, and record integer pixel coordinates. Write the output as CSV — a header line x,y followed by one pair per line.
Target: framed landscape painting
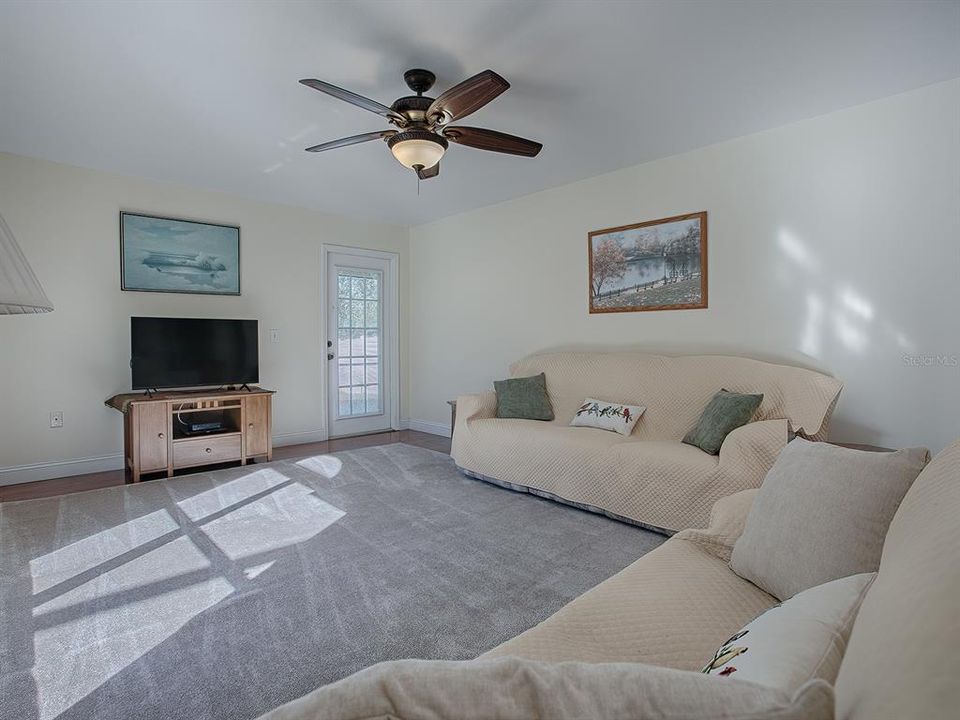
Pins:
x,y
178,256
655,265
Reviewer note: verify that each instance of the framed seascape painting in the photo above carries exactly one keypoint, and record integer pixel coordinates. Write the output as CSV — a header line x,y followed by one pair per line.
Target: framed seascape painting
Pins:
x,y
655,265
178,256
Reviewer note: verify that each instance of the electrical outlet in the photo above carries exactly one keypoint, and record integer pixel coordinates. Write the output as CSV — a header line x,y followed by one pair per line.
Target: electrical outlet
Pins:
x,y
56,419
274,335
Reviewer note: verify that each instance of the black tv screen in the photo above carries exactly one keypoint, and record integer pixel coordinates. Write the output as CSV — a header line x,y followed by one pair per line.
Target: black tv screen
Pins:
x,y
192,352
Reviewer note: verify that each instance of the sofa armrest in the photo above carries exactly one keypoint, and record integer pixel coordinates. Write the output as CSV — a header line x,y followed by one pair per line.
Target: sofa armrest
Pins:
x,y
727,520
513,687
470,408
476,406
752,448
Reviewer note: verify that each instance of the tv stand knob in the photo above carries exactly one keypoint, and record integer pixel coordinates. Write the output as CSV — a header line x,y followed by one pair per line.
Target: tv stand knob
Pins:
x,y
160,435
250,426
209,450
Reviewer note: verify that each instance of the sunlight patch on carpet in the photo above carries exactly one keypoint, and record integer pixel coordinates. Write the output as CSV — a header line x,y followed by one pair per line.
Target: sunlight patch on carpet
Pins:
x,y
287,516
84,555
89,634
225,495
326,465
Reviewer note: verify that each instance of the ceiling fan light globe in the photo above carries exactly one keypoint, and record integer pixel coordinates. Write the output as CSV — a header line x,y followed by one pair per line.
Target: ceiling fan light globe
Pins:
x,y
417,148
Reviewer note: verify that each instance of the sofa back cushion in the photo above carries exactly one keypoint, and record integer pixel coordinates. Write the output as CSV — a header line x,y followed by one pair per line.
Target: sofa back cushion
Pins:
x,y
675,390
901,658
821,514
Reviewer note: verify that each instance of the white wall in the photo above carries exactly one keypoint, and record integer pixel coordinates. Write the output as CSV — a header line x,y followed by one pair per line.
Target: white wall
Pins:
x,y
834,243
66,220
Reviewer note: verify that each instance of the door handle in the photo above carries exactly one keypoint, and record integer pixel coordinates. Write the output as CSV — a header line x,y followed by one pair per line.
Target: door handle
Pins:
x,y
330,356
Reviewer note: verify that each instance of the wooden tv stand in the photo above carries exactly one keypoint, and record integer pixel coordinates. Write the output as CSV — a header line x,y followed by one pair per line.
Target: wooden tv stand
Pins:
x,y
156,435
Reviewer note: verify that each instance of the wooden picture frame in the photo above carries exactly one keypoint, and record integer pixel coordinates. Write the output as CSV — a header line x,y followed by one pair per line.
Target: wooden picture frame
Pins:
x,y
653,265
173,255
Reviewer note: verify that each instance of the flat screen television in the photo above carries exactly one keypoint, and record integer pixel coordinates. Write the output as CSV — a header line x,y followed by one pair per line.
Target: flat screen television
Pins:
x,y
192,352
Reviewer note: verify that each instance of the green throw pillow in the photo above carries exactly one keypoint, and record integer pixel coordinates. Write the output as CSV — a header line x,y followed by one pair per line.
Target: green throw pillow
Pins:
x,y
724,413
524,397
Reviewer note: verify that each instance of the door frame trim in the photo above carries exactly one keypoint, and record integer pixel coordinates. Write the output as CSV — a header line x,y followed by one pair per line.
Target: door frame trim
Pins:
x,y
393,341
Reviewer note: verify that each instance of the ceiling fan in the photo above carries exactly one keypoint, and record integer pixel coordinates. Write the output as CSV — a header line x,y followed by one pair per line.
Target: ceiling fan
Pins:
x,y
422,123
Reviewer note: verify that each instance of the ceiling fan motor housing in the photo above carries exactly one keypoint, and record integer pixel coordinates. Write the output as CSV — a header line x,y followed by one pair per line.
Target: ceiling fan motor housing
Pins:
x,y
413,107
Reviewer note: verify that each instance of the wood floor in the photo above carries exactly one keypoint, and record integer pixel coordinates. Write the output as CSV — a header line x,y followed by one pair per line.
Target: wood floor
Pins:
x,y
78,483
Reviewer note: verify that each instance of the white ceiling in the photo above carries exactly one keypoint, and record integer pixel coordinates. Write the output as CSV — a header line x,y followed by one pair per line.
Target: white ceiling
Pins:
x,y
206,93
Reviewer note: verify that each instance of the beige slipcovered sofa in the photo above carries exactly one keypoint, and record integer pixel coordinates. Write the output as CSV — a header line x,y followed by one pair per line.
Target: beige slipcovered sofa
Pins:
x,y
649,477
673,607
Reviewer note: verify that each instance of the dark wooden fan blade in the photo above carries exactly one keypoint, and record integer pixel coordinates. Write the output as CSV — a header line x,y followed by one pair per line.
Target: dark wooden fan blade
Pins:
x,y
467,97
354,99
352,140
430,172
492,140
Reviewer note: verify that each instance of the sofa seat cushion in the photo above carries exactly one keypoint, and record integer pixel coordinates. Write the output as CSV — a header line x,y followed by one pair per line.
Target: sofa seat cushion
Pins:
x,y
646,480
673,607
550,433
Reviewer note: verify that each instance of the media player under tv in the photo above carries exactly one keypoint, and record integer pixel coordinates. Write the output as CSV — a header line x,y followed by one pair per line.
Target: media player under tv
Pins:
x,y
204,427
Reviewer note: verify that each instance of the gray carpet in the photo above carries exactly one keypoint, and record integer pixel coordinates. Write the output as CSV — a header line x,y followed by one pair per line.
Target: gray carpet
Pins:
x,y
223,595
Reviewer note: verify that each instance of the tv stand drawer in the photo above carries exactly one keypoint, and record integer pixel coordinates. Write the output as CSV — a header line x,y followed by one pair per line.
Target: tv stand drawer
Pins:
x,y
210,449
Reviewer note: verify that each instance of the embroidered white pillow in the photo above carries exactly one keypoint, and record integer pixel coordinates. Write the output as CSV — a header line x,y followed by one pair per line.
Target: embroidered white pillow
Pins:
x,y
607,416
802,639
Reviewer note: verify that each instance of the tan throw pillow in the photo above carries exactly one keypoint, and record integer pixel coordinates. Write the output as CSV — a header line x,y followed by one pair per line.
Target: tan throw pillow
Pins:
x,y
521,689
607,416
800,640
821,514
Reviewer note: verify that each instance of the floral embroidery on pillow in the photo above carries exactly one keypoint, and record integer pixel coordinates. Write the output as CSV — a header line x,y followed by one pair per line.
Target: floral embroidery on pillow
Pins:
x,y
594,408
605,415
725,654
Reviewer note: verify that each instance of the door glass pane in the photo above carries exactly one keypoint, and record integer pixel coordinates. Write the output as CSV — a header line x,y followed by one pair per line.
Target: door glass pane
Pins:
x,y
373,343
357,400
358,342
356,372
372,314
356,313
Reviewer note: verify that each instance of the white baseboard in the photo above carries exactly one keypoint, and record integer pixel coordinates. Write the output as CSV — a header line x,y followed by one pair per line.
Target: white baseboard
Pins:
x,y
298,438
33,472
434,428
61,468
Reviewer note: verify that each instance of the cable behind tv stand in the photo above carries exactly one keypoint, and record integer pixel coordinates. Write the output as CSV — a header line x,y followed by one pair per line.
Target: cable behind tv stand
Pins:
x,y
156,436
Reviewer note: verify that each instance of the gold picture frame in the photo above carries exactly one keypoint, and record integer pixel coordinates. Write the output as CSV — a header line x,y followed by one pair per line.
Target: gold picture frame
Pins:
x,y
653,265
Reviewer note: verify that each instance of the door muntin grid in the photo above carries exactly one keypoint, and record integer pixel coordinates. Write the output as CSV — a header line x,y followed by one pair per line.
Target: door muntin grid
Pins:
x,y
359,343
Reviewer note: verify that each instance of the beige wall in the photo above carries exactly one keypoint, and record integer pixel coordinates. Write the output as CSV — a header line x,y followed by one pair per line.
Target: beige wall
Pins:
x,y
66,220
833,243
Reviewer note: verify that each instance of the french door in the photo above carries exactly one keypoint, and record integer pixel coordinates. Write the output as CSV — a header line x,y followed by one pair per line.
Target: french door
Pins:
x,y
359,299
